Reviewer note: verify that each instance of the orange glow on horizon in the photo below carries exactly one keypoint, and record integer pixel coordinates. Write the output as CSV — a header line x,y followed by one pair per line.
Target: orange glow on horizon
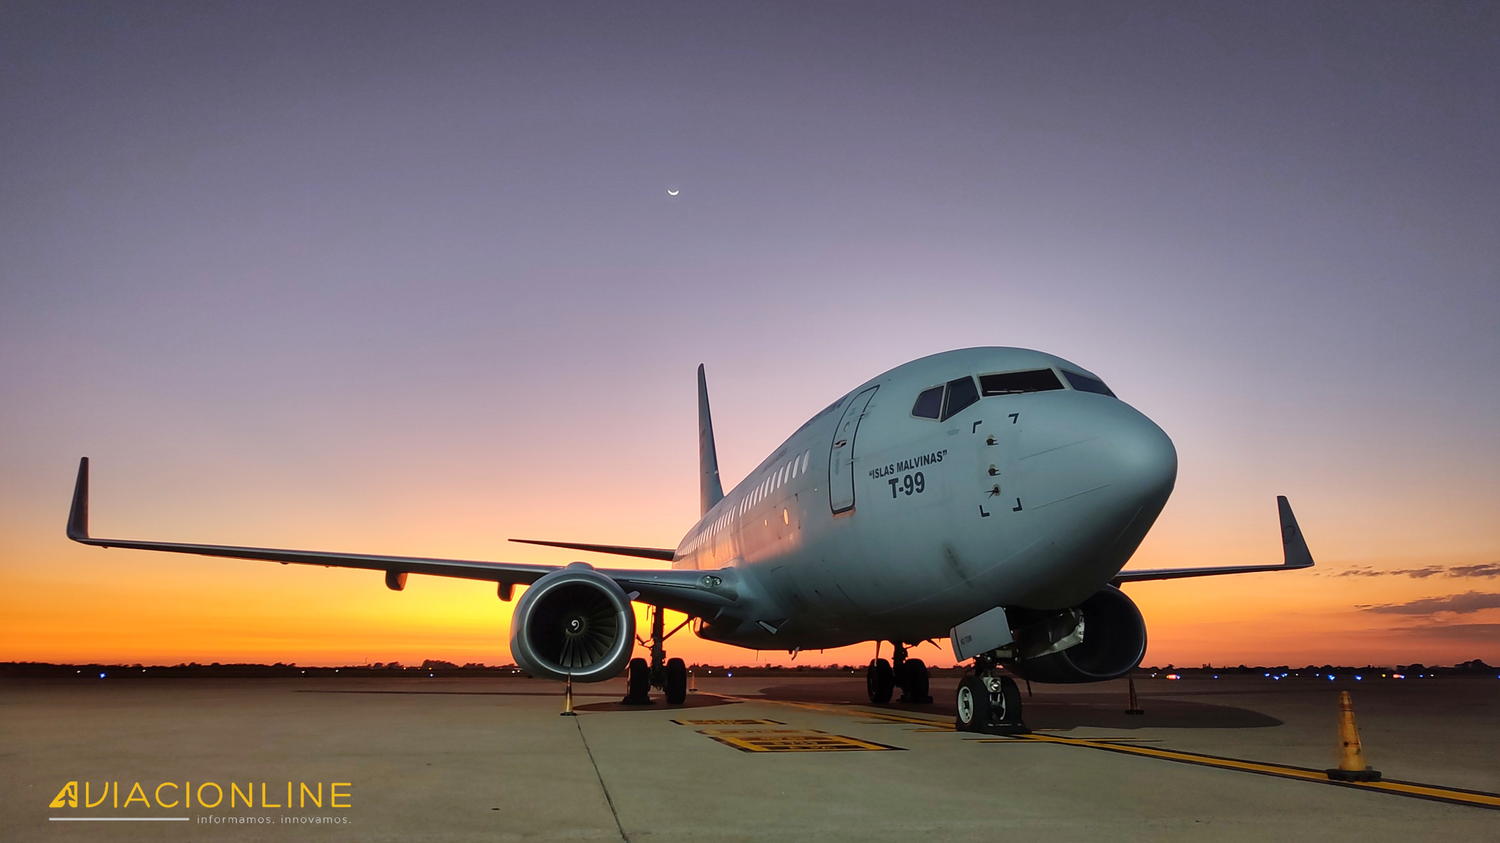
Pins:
x,y
64,602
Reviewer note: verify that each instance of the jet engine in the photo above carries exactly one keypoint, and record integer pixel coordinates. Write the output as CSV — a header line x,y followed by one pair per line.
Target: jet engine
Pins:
x,y
573,622
1102,638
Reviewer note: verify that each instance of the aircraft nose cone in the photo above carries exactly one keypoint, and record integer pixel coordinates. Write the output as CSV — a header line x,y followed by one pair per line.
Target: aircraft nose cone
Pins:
x,y
1144,460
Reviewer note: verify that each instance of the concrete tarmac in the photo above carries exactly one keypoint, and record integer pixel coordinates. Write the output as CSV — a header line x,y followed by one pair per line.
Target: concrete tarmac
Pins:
x,y
490,759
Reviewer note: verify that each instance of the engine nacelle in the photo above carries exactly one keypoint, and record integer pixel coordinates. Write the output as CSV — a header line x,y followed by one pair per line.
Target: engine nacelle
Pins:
x,y
573,622
1113,643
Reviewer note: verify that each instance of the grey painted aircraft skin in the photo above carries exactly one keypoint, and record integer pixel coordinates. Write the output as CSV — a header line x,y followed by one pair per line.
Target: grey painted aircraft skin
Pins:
x,y
1081,477
882,518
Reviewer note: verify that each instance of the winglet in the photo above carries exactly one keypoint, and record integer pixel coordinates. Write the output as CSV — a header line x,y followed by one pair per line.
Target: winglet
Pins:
x,y
710,491
1293,546
78,516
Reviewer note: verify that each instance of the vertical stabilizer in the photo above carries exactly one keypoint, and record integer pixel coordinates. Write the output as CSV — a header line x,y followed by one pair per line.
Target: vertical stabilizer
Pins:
x,y
710,491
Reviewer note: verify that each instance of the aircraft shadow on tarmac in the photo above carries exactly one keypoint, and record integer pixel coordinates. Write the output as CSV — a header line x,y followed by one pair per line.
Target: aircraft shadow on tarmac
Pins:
x,y
660,704
1050,710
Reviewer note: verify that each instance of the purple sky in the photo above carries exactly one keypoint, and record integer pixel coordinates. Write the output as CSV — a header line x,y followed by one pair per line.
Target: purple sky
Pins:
x,y
406,277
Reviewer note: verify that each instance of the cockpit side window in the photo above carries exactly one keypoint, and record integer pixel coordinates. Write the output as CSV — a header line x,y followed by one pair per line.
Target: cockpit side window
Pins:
x,y
961,393
1084,383
1014,383
929,403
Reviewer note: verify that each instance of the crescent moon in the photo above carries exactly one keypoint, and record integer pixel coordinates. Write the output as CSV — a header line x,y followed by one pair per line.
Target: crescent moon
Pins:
x,y
672,192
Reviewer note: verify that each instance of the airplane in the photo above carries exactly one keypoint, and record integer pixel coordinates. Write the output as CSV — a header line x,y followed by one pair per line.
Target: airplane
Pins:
x,y
990,496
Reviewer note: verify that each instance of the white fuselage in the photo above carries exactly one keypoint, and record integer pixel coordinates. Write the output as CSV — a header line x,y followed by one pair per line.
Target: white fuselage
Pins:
x,y
880,524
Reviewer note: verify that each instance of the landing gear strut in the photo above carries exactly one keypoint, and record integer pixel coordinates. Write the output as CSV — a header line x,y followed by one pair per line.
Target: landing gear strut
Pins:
x,y
989,703
910,675
668,675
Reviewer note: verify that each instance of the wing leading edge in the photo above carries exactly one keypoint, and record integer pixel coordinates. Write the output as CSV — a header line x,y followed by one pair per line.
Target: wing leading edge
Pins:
x,y
694,592
1295,556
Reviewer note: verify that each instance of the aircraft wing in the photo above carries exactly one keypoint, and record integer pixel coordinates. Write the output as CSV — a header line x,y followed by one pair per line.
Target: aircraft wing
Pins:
x,y
694,592
1295,556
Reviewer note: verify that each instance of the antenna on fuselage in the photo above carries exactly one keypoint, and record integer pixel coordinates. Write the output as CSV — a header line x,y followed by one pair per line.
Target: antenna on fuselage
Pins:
x,y
709,488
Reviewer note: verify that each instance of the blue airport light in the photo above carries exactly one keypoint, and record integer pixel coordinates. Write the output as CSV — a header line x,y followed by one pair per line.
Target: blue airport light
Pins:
x,y
1358,678
1330,677
101,676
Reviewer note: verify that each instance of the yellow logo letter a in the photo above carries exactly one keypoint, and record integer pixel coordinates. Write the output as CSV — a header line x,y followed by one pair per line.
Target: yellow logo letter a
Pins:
x,y
68,794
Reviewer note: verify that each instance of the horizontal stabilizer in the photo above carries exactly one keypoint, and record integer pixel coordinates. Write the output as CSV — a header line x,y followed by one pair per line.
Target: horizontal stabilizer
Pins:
x,y
1295,556
665,554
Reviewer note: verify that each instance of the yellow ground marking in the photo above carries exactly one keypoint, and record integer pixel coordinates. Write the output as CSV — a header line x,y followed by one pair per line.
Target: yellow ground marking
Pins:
x,y
712,732
729,722
1453,795
779,740
873,716
1458,796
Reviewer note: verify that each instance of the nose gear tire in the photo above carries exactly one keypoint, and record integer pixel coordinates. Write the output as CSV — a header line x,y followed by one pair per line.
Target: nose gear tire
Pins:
x,y
989,704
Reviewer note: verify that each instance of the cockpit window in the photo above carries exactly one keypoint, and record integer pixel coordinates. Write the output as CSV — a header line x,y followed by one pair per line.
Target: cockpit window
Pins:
x,y
1084,383
1013,383
929,403
961,393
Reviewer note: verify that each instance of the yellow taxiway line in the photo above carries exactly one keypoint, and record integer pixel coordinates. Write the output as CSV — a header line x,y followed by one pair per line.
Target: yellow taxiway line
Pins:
x,y
1453,795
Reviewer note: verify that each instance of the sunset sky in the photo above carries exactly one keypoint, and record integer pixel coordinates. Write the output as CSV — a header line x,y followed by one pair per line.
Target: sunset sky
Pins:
x,y
406,279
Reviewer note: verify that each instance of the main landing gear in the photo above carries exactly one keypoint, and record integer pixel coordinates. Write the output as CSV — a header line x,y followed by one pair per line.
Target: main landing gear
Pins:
x,y
910,675
668,675
988,703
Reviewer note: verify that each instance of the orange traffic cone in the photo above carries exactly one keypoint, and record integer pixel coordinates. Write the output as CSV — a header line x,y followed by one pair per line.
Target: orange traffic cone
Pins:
x,y
692,681
1135,704
1351,766
568,699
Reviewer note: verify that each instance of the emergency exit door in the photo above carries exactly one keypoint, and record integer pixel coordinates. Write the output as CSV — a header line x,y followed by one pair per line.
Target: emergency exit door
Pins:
x,y
841,457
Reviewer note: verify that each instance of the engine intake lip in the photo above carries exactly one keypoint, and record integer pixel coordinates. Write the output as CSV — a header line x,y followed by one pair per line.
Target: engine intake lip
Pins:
x,y
573,622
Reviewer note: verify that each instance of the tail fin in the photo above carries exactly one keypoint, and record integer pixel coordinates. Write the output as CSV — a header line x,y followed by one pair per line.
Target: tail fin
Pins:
x,y
709,489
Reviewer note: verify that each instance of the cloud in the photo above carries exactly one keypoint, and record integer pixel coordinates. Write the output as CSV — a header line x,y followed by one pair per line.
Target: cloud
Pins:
x,y
1459,604
1490,569
1485,570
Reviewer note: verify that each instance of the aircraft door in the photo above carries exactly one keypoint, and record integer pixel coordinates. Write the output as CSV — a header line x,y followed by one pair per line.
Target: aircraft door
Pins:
x,y
841,457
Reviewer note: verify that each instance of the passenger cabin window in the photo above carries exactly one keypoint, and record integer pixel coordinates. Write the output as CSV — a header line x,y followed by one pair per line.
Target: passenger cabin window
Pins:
x,y
961,393
1014,383
929,403
1084,383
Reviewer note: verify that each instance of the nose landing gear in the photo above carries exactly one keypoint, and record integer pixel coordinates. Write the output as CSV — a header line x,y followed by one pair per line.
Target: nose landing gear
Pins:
x,y
988,703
